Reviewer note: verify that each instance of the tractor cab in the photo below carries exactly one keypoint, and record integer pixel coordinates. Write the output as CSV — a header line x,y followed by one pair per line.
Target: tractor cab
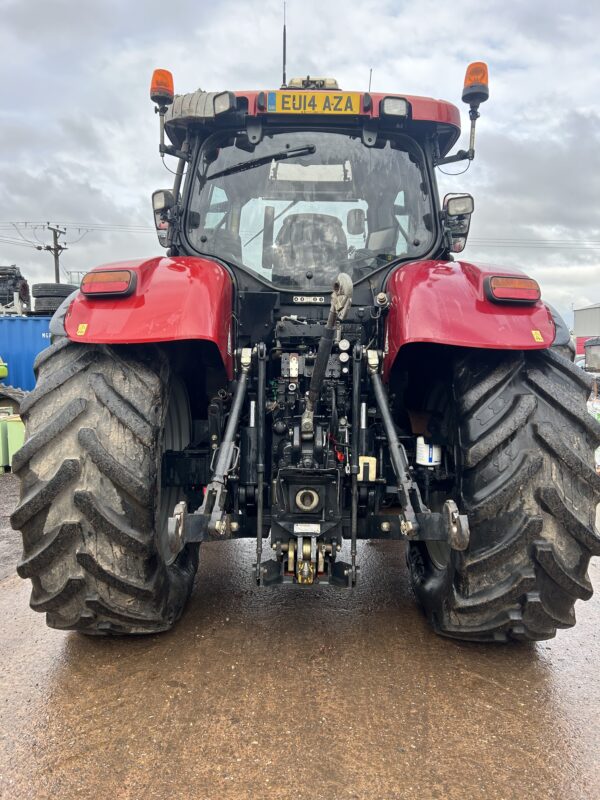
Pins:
x,y
290,187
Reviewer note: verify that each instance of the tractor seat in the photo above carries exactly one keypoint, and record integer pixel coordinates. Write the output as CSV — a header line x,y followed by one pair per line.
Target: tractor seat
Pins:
x,y
309,242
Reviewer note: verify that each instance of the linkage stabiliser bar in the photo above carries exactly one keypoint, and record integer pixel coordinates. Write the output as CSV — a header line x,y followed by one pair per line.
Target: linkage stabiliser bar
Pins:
x,y
419,523
406,485
211,520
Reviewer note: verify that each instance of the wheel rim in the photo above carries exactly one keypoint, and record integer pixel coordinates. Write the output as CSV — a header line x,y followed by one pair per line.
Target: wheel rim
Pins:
x,y
439,553
177,435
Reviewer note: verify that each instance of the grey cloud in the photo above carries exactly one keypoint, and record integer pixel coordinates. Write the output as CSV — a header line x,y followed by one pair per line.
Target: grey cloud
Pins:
x,y
80,137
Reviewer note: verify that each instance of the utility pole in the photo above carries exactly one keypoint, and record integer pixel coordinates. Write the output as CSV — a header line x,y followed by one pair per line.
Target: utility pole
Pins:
x,y
55,248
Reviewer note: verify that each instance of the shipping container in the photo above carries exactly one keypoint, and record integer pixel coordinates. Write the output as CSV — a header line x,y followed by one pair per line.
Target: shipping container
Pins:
x,y
21,339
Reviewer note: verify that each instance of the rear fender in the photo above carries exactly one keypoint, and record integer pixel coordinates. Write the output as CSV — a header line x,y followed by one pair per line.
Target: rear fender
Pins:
x,y
178,298
444,302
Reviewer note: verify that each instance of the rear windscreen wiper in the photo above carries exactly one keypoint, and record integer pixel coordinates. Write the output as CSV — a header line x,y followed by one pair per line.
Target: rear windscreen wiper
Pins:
x,y
307,150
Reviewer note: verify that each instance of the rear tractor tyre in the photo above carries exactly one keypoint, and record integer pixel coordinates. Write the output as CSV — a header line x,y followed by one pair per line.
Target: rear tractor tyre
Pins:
x,y
92,511
525,457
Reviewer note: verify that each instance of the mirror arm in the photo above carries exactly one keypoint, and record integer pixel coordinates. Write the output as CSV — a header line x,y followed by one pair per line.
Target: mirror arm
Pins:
x,y
173,216
171,150
184,158
161,111
447,234
473,116
463,155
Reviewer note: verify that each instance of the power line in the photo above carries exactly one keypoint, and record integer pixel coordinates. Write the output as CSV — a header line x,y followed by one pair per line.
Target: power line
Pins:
x,y
489,243
16,227
580,245
16,243
496,241
79,225
56,248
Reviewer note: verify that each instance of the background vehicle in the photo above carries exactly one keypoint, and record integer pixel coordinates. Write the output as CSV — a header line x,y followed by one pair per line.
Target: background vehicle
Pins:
x,y
309,363
11,283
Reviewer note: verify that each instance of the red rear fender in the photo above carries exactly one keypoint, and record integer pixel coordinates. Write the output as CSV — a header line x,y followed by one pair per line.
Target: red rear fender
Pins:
x,y
174,299
445,302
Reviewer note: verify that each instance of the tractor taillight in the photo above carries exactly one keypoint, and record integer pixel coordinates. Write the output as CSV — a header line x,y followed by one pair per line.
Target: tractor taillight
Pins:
x,y
503,289
108,282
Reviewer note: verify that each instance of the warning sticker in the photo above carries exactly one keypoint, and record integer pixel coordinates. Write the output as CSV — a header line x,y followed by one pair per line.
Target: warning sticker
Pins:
x,y
537,336
81,329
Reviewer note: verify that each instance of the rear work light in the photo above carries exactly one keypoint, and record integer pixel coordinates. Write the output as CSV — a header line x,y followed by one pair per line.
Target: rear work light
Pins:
x,y
503,289
394,107
108,283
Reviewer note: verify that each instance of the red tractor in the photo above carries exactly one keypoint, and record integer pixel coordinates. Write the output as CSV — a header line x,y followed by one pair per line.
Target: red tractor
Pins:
x,y
309,365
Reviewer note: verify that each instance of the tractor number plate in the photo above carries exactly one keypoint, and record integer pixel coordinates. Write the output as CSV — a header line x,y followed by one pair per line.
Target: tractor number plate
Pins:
x,y
313,102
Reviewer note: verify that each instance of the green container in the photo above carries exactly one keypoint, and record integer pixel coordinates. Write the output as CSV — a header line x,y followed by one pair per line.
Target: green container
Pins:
x,y
12,433
4,462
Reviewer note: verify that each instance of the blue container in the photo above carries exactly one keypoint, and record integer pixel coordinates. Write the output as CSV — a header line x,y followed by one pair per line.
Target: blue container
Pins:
x,y
21,339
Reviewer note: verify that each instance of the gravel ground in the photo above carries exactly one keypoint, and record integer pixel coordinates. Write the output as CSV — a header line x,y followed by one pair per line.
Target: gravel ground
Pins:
x,y
10,541
293,693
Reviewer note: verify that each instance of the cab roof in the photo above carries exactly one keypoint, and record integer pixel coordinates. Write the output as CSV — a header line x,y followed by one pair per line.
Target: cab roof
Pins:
x,y
197,109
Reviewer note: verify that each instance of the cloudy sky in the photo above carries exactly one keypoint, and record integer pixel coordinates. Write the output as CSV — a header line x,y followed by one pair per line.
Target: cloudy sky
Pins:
x,y
79,136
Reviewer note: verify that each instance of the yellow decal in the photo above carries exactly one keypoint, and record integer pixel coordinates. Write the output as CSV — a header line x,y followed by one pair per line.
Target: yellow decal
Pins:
x,y
81,329
537,336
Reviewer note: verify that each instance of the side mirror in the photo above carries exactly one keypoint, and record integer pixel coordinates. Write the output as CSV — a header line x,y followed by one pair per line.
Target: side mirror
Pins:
x,y
457,218
162,202
355,222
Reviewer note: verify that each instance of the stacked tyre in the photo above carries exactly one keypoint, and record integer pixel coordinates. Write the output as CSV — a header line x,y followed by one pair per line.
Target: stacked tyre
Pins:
x,y
48,296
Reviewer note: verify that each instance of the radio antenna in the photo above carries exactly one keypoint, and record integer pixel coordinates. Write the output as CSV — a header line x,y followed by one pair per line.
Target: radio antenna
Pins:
x,y
370,76
284,84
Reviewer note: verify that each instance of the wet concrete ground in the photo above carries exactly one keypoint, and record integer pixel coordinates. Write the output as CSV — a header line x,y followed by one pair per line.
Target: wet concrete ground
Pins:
x,y
289,693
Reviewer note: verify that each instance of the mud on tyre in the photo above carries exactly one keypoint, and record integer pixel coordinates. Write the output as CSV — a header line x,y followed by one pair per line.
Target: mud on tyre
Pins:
x,y
90,509
525,457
